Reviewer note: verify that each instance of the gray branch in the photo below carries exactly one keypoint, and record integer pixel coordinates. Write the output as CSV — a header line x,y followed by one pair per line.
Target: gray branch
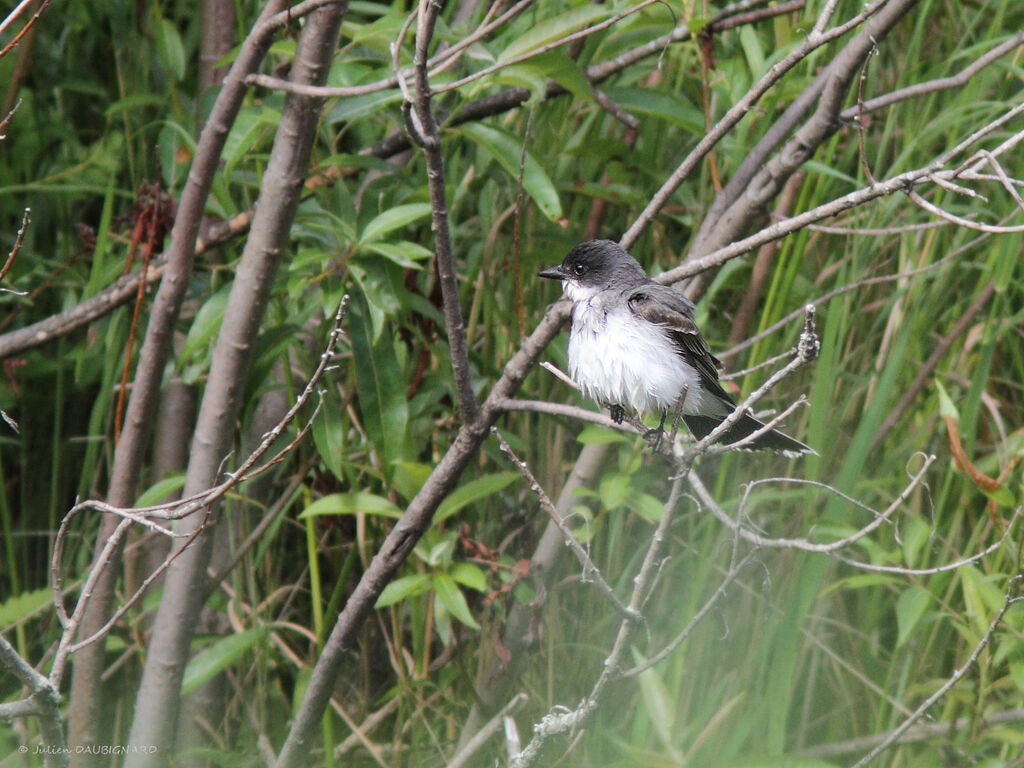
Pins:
x,y
158,695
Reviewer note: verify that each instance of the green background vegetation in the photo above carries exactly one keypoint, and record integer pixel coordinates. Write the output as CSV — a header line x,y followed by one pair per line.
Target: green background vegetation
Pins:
x,y
804,650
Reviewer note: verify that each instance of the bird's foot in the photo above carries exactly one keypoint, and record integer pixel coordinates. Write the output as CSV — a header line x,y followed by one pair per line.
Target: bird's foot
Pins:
x,y
655,436
618,413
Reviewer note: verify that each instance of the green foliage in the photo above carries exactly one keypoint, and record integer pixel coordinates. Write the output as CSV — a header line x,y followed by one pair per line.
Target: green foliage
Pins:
x,y
803,650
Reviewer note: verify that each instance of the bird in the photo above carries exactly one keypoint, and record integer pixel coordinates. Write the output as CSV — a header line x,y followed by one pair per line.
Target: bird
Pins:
x,y
633,343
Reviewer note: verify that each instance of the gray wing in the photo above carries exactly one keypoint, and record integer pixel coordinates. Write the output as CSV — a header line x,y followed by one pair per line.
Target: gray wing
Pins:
x,y
666,307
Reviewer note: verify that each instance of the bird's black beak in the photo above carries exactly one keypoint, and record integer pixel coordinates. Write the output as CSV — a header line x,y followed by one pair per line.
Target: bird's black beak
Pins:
x,y
554,273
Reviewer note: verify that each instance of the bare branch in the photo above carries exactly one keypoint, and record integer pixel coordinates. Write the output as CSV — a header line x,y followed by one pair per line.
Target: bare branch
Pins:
x,y
16,248
429,140
723,588
958,80
466,753
560,720
43,703
805,545
737,111
591,573
28,25
581,34
946,687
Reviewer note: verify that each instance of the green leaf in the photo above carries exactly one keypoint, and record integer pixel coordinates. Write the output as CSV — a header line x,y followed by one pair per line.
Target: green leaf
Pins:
x,y
783,761
403,587
359,503
595,435
404,254
169,49
469,575
378,293
205,326
910,607
507,151
613,490
662,106
329,432
946,407
826,170
19,607
1002,496
566,72
525,76
1017,674
357,106
647,506
211,661
753,51
550,30
392,219
474,491
452,598
659,707
161,490
380,387
249,127
915,535
409,477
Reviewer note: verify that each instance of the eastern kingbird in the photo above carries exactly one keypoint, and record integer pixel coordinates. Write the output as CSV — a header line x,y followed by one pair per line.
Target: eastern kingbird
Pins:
x,y
633,343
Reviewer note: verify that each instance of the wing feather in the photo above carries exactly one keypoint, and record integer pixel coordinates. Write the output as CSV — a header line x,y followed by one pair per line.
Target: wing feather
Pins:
x,y
666,307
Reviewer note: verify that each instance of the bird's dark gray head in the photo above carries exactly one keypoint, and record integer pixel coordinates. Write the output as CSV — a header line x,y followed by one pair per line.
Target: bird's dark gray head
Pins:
x,y
596,265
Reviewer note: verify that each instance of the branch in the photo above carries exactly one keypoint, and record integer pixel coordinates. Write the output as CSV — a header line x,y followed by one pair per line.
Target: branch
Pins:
x,y
719,227
172,510
958,80
803,544
124,289
817,38
560,720
806,352
919,732
957,675
84,711
480,737
24,30
591,573
423,131
399,542
43,702
898,183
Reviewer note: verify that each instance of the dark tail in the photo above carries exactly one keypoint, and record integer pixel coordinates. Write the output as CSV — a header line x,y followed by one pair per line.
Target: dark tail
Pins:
x,y
774,440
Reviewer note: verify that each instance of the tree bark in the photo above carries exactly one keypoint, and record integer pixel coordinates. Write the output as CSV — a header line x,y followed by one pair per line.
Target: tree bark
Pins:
x,y
84,713
158,700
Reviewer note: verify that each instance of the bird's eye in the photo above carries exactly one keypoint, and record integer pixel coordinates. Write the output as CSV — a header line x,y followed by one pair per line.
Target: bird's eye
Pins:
x,y
579,269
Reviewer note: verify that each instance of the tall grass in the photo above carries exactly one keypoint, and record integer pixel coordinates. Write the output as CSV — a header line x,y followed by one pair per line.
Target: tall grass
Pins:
x,y
803,650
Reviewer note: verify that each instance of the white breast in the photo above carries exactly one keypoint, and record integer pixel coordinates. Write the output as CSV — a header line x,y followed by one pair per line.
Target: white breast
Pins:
x,y
617,360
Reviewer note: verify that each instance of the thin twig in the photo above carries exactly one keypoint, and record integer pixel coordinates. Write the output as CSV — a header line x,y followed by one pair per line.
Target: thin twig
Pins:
x,y
591,573
18,240
806,352
423,130
172,510
721,591
561,720
958,80
737,111
803,544
992,229
480,737
24,30
945,688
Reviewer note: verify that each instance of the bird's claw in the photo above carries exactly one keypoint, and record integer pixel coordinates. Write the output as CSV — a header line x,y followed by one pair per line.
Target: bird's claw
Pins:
x,y
654,436
618,413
